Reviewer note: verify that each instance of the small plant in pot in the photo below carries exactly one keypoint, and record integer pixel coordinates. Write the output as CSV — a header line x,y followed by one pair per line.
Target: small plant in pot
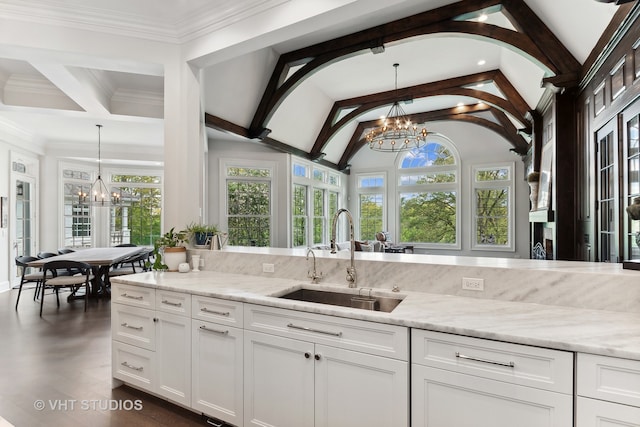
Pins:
x,y
169,250
201,233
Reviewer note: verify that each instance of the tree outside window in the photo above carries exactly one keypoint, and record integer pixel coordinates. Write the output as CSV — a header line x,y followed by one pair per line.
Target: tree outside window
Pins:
x,y
492,204
428,194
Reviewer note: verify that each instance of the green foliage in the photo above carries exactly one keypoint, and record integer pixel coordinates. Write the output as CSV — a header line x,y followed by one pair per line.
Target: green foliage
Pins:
x,y
249,212
428,217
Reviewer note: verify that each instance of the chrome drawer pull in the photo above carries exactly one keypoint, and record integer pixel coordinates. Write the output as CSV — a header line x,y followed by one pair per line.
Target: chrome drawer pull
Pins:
x,y
219,313
131,296
126,325
319,331
493,362
126,365
175,304
215,331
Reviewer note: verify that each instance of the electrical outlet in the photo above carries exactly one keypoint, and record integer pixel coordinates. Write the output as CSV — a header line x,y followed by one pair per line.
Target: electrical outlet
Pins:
x,y
472,284
268,268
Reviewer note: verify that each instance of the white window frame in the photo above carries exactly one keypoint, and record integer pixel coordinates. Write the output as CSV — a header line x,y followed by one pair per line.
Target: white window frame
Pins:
x,y
313,184
488,185
226,163
455,186
371,190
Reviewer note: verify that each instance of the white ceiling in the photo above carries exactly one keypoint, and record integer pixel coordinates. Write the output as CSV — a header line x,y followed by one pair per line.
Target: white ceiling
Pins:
x,y
71,98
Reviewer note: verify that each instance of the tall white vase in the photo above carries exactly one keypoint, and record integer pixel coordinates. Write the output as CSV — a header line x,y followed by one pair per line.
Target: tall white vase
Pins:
x,y
533,195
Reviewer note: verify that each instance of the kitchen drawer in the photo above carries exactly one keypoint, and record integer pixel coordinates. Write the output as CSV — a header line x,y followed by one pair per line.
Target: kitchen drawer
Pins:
x,y
517,364
136,296
173,302
609,378
597,413
132,325
133,365
217,310
358,335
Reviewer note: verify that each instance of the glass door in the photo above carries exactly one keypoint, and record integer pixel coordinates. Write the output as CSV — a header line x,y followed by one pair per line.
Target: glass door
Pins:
x,y
631,141
23,225
608,194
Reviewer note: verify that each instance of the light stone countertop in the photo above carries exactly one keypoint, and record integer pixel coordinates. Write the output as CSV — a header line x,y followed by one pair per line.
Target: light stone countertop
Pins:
x,y
602,332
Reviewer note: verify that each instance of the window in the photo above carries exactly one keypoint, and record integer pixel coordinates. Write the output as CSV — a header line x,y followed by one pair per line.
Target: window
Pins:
x,y
371,203
77,216
492,207
428,188
249,205
299,215
137,219
315,198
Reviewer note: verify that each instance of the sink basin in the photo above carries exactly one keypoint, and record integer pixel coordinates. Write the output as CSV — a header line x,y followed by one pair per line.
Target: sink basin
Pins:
x,y
365,302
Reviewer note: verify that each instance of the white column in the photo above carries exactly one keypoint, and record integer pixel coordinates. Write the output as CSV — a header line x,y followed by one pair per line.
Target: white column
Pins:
x,y
183,147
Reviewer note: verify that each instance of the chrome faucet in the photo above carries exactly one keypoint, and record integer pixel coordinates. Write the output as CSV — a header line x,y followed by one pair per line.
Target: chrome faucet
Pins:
x,y
351,270
313,275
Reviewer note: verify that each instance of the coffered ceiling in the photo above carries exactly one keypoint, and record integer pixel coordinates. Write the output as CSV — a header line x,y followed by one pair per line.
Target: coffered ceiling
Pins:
x,y
312,89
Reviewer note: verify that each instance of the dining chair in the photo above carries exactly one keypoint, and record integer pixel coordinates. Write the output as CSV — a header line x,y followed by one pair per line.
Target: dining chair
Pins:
x,y
29,274
50,279
132,265
62,251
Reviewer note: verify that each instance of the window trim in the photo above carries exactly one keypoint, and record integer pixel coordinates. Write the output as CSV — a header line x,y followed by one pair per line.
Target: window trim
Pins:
x,y
455,186
371,190
485,185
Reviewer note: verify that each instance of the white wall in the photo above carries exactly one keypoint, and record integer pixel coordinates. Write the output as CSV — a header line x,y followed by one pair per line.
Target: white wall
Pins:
x,y
476,146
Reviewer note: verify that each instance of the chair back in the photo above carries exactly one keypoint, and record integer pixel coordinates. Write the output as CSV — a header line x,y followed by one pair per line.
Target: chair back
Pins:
x,y
42,255
62,251
68,265
24,260
126,245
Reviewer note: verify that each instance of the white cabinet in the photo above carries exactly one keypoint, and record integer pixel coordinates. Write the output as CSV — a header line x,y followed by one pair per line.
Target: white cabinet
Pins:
x,y
217,355
304,369
151,334
463,382
608,390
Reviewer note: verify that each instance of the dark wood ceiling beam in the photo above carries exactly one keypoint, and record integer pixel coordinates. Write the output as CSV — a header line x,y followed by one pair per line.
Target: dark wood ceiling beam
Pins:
x,y
440,20
504,129
527,22
218,123
443,87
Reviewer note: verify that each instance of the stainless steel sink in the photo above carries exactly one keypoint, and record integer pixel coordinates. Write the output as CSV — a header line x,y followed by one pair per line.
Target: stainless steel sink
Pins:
x,y
365,301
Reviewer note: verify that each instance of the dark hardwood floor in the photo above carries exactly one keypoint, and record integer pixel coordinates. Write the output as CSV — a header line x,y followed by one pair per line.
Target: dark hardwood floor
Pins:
x,y
63,361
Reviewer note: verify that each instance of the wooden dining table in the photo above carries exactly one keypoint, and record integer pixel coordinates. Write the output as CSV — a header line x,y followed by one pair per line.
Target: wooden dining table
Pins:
x,y
100,260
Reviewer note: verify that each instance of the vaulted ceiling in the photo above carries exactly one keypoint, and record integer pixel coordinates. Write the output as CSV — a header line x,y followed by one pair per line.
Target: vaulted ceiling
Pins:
x,y
313,93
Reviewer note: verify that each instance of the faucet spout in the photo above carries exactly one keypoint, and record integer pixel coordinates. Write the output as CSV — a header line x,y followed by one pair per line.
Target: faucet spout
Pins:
x,y
313,275
351,270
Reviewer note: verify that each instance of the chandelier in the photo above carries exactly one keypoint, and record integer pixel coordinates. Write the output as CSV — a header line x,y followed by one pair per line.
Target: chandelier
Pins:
x,y
99,195
396,132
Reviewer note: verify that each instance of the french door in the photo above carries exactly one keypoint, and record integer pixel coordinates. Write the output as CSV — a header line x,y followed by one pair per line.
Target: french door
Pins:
x,y
608,194
631,176
23,219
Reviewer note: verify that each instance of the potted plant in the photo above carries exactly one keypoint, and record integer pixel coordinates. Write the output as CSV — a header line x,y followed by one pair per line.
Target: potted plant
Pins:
x,y
201,233
169,250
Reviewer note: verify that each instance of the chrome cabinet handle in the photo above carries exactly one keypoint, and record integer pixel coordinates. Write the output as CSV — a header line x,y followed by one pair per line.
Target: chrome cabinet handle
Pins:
x,y
219,313
319,331
492,362
126,325
132,296
175,304
215,331
126,365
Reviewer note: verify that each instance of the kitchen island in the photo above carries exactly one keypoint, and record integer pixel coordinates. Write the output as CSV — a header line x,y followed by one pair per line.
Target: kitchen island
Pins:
x,y
507,321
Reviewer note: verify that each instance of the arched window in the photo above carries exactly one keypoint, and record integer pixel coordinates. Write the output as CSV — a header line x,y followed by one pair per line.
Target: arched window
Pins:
x,y
428,191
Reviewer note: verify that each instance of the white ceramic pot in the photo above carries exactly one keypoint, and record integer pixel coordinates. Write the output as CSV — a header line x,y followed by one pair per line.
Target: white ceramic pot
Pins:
x,y
173,257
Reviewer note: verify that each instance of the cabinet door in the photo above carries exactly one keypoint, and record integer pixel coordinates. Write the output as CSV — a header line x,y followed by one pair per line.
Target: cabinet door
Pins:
x,y
217,379
278,381
441,398
173,354
360,390
597,413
